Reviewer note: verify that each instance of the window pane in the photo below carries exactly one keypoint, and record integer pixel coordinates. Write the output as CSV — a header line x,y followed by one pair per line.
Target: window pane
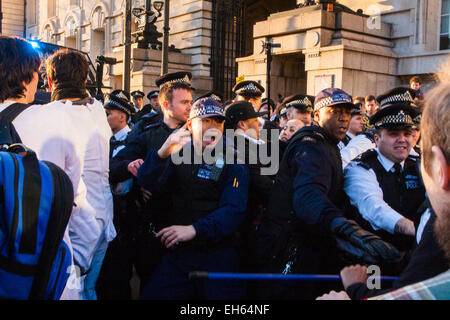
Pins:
x,y
445,6
445,42
444,24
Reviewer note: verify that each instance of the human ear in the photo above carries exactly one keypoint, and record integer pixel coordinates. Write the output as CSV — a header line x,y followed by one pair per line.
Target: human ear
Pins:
x,y
440,168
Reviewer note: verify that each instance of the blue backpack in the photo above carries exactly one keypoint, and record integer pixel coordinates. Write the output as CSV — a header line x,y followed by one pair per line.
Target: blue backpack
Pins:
x,y
36,200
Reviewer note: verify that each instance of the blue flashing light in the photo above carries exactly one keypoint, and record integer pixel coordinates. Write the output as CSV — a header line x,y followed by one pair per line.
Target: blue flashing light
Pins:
x,y
35,45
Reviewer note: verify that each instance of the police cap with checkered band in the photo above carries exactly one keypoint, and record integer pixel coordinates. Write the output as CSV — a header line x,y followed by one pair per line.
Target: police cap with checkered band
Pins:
x,y
332,97
248,89
299,101
119,100
206,108
175,77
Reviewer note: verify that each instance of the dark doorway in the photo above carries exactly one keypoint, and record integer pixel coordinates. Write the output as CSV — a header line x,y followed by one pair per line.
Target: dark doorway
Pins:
x,y
232,35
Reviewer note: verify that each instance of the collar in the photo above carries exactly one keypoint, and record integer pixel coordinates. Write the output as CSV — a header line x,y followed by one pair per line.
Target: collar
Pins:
x,y
6,104
414,153
351,136
387,164
120,135
250,138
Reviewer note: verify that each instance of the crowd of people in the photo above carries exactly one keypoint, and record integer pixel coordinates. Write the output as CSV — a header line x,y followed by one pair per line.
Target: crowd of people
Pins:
x,y
183,185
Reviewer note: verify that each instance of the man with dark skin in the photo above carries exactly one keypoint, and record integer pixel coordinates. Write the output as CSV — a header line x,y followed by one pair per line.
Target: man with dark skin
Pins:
x,y
306,210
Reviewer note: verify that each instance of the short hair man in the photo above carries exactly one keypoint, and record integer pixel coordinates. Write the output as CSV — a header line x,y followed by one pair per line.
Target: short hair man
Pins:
x,y
384,184
371,105
152,96
307,201
175,97
355,127
365,141
208,205
362,101
435,173
241,117
299,107
138,100
67,73
52,132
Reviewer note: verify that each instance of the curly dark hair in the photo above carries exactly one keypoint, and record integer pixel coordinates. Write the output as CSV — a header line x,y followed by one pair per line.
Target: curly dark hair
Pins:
x,y
68,68
18,63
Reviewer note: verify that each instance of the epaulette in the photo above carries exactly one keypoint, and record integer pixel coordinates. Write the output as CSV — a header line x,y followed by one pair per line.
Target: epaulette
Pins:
x,y
149,115
152,125
414,157
363,158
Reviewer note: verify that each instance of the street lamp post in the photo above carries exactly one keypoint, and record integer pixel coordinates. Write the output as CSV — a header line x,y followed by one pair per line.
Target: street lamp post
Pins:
x,y
127,51
150,35
267,47
165,48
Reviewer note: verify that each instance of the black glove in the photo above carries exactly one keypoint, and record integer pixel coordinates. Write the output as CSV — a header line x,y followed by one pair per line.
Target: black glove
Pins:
x,y
363,245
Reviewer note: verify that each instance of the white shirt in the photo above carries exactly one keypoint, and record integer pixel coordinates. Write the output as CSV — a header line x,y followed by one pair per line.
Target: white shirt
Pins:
x,y
50,131
362,186
123,187
91,121
423,222
341,144
357,145
120,136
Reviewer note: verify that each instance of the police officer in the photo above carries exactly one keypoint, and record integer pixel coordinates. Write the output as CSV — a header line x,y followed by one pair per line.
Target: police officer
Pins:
x,y
306,213
250,91
138,100
384,183
152,96
242,118
299,107
365,141
212,94
117,268
176,98
207,205
355,126
268,106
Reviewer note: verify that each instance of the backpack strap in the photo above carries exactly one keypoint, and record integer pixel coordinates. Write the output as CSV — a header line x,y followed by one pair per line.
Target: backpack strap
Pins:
x,y
62,204
9,134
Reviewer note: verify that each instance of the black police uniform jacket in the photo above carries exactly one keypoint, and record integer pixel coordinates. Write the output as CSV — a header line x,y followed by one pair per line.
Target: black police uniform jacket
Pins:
x,y
307,196
137,147
143,124
404,193
201,195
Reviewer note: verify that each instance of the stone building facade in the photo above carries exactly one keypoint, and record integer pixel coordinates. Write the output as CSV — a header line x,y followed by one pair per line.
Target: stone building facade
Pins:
x,y
363,46
97,27
12,17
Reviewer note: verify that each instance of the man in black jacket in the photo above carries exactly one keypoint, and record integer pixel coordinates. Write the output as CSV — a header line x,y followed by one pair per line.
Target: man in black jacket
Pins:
x,y
176,98
306,211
